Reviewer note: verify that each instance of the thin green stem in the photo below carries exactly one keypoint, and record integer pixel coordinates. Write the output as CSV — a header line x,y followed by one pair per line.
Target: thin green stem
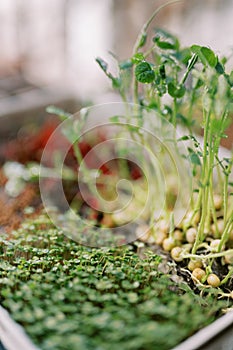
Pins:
x,y
77,153
226,278
210,205
147,24
135,89
226,233
174,115
204,184
213,211
225,198
207,256
191,64
195,210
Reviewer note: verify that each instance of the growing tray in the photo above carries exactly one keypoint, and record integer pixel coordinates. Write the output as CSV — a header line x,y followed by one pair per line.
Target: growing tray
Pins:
x,y
217,336
12,335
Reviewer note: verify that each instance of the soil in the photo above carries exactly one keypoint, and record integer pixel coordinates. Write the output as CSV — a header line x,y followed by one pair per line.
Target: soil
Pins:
x,y
21,149
12,209
29,148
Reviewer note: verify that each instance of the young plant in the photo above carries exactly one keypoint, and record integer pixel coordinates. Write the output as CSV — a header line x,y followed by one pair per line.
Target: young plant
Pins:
x,y
189,86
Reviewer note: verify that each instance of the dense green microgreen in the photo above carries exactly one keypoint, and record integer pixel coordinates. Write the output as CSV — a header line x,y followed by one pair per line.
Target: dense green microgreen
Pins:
x,y
69,296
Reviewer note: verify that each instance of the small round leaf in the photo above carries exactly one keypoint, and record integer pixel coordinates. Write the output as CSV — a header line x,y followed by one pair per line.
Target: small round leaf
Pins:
x,y
144,73
176,91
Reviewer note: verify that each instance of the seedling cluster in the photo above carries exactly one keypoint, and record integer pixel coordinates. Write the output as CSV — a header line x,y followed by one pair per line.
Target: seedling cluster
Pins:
x,y
189,87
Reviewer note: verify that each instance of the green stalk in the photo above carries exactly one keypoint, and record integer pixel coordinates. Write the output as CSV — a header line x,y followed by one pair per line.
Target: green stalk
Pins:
x,y
210,203
77,153
190,112
191,64
225,190
196,209
203,257
172,226
226,278
135,89
204,184
147,24
174,112
220,177
225,198
226,233
213,211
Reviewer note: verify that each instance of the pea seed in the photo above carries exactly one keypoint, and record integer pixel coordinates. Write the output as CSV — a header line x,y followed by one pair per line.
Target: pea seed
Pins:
x,y
213,280
198,274
191,235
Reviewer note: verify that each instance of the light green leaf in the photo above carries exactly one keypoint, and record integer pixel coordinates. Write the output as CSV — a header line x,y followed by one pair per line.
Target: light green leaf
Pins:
x,y
137,58
58,111
209,56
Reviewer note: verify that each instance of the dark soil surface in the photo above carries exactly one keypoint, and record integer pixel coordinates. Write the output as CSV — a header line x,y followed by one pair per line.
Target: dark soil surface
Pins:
x,y
12,210
22,149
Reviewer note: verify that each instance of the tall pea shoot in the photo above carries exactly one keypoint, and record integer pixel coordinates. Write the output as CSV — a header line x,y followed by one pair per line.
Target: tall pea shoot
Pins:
x,y
189,86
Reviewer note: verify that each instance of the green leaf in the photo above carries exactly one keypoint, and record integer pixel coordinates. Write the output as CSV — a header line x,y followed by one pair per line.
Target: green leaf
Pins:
x,y
184,138
144,73
219,68
137,58
116,82
59,112
209,56
195,48
142,41
162,71
103,65
165,45
194,157
176,91
166,40
199,83
205,54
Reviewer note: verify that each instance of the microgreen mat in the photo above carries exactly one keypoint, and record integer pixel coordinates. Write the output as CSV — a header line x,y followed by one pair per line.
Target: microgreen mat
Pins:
x,y
68,296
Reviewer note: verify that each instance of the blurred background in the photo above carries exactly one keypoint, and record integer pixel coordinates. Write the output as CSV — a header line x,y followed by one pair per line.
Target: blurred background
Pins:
x,y
52,44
